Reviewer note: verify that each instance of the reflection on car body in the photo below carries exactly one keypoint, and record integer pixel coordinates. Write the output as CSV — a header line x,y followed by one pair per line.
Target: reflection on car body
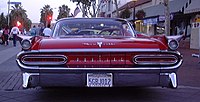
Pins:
x,y
96,52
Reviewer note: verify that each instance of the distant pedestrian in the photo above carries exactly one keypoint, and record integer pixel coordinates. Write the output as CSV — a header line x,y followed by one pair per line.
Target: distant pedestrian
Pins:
x,y
47,30
24,31
41,29
14,32
6,33
38,30
33,31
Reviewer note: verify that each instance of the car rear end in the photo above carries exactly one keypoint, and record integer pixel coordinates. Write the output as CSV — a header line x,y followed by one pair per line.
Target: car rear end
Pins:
x,y
98,62
105,68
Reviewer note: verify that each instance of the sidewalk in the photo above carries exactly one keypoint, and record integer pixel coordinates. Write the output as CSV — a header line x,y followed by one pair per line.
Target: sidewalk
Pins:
x,y
3,47
190,69
8,53
10,75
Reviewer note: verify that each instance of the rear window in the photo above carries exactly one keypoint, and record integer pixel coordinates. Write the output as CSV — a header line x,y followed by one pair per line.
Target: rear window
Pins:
x,y
92,27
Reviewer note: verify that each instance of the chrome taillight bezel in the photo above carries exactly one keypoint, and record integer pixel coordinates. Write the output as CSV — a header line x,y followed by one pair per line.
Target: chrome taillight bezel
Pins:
x,y
63,59
136,59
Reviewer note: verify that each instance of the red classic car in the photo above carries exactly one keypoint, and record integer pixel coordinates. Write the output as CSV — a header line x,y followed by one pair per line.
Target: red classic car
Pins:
x,y
98,52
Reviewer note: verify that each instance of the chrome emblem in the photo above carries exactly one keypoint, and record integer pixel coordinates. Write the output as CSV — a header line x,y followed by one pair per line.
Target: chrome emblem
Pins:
x,y
99,44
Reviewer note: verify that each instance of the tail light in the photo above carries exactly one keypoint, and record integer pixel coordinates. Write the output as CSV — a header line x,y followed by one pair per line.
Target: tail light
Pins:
x,y
155,59
44,59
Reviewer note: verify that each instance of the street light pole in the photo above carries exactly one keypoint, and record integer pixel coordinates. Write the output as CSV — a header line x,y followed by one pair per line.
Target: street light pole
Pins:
x,y
134,12
8,12
167,17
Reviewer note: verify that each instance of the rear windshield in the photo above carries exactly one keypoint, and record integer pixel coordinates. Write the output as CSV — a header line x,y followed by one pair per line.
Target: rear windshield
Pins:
x,y
92,27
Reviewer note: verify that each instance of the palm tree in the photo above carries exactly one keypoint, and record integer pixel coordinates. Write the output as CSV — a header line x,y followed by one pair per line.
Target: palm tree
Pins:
x,y
3,21
64,11
19,14
46,12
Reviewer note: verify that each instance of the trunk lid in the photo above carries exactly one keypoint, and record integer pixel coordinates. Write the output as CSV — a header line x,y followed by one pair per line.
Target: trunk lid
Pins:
x,y
101,43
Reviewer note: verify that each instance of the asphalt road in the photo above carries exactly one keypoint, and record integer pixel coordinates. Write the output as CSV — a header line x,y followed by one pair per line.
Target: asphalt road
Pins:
x,y
11,90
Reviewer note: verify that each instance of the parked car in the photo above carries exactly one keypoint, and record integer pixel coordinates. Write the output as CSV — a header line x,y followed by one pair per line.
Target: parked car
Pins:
x,y
113,57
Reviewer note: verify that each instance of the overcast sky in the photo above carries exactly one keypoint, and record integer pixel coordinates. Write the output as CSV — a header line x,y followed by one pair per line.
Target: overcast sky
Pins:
x,y
33,7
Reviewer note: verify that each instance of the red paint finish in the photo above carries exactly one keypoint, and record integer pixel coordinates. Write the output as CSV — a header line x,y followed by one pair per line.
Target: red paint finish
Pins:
x,y
81,43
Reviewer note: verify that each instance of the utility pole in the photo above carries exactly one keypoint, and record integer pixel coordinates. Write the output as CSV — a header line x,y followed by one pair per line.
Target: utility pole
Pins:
x,y
167,17
8,12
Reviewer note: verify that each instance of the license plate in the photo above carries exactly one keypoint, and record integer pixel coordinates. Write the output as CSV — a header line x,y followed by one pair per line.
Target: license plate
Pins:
x,y
99,80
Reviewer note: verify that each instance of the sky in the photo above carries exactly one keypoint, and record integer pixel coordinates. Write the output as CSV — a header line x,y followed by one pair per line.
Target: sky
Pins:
x,y
33,7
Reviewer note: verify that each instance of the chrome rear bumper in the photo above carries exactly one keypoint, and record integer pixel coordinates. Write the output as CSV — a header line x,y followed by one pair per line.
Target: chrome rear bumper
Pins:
x,y
79,80
42,75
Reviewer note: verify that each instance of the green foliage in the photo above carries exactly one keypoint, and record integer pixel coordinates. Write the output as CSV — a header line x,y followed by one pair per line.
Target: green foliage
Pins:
x,y
19,14
27,24
125,13
3,21
140,14
64,11
46,12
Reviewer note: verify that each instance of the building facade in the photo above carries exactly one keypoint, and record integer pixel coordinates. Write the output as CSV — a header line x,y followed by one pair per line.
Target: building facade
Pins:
x,y
193,27
184,16
145,25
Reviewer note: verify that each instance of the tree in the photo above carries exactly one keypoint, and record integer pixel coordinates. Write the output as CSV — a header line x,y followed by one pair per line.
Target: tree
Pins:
x,y
89,7
19,14
46,12
140,14
28,23
3,21
125,13
64,11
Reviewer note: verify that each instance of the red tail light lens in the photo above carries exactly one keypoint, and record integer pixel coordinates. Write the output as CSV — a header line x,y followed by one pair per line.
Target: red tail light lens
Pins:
x,y
44,59
155,59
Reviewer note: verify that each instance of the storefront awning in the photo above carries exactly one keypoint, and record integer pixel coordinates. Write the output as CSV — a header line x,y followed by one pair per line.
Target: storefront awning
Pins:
x,y
193,7
158,10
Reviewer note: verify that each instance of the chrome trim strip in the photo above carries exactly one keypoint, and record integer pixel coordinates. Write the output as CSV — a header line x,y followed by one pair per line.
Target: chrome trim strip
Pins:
x,y
45,57
100,50
26,77
64,68
135,59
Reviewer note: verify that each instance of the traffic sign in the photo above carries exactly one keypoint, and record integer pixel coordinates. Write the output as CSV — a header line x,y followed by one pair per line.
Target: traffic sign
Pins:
x,y
14,3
